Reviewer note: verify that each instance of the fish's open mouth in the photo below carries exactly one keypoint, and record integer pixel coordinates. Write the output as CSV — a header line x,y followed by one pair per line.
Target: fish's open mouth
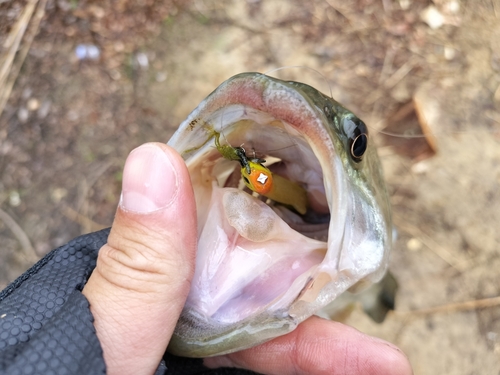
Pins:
x,y
265,262
252,249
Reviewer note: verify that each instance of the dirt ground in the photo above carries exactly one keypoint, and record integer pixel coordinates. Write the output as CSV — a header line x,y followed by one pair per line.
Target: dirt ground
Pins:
x,y
70,123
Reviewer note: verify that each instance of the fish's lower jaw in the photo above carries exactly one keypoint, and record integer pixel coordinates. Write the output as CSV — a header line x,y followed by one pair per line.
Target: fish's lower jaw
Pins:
x,y
196,337
249,260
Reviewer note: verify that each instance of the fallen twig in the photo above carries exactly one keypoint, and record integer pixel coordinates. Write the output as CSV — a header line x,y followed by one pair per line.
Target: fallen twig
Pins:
x,y
453,307
12,61
85,186
20,234
83,220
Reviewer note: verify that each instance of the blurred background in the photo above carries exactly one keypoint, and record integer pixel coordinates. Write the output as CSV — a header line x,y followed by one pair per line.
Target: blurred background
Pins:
x,y
82,83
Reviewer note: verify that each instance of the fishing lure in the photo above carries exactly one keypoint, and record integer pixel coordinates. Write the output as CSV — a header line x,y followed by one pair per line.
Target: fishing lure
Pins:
x,y
261,180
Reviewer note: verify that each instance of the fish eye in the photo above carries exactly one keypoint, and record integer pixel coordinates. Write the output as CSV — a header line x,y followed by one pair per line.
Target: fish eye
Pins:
x,y
358,146
357,134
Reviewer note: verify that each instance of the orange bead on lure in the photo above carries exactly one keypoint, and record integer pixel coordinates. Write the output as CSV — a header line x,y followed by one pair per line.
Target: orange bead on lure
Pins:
x,y
261,180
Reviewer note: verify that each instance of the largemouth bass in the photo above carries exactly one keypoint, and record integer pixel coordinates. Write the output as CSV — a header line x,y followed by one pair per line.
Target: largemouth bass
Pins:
x,y
265,264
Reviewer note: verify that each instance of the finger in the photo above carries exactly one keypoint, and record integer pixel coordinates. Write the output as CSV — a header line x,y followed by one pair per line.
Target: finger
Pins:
x,y
143,273
319,346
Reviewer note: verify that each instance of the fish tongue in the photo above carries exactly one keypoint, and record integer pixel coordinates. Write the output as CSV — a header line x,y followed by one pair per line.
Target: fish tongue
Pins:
x,y
247,258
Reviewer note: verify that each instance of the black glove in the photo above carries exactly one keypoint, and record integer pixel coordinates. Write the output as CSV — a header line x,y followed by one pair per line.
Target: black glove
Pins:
x,y
45,321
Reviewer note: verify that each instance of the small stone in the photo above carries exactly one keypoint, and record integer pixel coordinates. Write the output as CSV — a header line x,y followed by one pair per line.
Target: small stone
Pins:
x,y
432,17
449,53
404,4
81,51
87,51
414,244
33,104
492,336
23,114
453,6
401,92
419,168
93,52
97,11
14,198
143,60
58,194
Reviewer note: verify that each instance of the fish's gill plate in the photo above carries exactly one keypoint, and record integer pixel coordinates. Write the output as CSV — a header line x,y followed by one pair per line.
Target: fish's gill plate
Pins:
x,y
292,211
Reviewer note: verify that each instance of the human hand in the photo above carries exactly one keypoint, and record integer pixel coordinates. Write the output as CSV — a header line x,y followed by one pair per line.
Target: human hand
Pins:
x,y
143,275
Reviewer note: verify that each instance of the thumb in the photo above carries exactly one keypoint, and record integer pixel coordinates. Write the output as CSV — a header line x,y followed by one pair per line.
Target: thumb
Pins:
x,y
143,274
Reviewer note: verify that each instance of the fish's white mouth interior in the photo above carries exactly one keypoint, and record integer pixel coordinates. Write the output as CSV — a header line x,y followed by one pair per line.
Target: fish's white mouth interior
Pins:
x,y
254,254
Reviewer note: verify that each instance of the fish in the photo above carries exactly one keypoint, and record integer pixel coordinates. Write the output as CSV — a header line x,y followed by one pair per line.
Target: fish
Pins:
x,y
265,264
